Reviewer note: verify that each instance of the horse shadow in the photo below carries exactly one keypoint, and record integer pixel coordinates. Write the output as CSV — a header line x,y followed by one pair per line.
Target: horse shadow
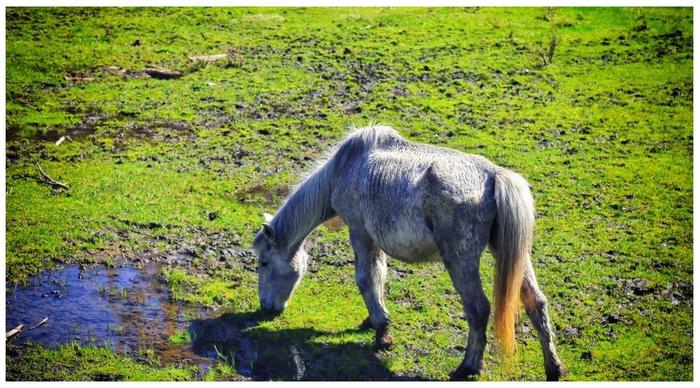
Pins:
x,y
259,353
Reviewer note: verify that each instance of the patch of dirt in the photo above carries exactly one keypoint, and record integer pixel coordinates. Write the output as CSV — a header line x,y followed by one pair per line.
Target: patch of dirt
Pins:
x,y
333,253
646,48
678,293
162,131
215,118
86,127
408,299
262,194
569,335
350,83
334,224
199,249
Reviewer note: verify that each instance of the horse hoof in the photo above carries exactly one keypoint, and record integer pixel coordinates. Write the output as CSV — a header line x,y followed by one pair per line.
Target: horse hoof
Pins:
x,y
554,374
383,341
366,325
465,373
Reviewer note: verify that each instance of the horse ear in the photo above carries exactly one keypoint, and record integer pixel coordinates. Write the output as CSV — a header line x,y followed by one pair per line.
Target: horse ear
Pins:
x,y
268,232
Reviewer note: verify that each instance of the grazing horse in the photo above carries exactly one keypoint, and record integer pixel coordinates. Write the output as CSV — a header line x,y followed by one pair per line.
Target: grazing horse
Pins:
x,y
415,202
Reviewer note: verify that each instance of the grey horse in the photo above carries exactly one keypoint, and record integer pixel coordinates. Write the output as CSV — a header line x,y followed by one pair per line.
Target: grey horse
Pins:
x,y
415,202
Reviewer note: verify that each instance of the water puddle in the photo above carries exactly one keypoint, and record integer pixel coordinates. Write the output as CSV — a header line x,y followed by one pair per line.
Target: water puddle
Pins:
x,y
129,309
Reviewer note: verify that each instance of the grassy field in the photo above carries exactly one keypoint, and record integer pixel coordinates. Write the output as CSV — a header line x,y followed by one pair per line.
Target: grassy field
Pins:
x,y
593,106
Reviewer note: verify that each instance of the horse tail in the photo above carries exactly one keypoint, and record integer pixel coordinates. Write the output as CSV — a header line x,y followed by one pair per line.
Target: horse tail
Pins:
x,y
511,241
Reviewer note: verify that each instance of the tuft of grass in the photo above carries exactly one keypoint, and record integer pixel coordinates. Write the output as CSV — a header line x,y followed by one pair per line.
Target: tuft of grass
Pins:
x,y
181,338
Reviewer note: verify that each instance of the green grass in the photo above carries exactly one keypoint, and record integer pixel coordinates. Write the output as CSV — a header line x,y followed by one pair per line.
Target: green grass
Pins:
x,y
181,338
602,132
79,363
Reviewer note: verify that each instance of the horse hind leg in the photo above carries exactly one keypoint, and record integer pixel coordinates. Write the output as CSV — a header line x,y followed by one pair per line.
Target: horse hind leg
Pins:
x,y
370,276
536,306
463,267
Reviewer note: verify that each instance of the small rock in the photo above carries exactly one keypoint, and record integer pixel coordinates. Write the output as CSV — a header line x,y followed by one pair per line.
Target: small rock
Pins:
x,y
674,301
611,334
587,356
640,287
352,109
611,318
212,216
137,42
571,332
225,255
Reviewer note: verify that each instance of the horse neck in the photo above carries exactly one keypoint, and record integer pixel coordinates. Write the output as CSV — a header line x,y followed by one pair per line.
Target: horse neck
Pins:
x,y
306,208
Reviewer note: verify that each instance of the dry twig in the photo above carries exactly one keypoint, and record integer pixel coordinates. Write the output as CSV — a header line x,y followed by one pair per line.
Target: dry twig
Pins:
x,y
51,181
43,321
14,331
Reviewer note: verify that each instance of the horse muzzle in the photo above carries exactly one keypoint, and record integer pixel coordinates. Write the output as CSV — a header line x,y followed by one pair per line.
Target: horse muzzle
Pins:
x,y
270,308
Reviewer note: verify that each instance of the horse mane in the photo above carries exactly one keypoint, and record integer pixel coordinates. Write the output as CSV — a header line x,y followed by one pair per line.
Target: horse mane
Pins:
x,y
308,205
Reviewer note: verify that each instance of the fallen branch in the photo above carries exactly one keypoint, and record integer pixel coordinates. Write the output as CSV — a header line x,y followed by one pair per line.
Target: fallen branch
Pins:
x,y
114,70
208,58
14,331
49,180
162,73
153,72
43,321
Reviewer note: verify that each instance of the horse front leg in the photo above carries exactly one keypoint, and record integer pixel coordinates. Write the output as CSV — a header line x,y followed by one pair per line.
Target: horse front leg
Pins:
x,y
370,275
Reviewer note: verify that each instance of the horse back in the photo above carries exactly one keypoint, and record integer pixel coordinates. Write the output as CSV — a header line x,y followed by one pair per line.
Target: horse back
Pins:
x,y
399,195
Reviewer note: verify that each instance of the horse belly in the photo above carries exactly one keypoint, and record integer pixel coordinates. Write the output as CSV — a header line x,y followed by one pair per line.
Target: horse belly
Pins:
x,y
409,240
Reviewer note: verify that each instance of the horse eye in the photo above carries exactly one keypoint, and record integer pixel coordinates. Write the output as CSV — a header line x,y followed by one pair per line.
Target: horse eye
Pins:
x,y
263,264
